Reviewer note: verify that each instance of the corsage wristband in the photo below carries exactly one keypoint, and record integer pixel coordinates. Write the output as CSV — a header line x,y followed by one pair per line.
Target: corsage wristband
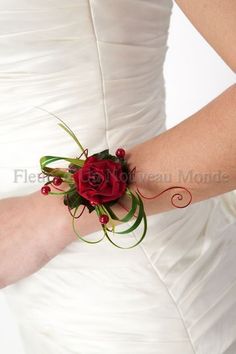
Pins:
x,y
97,182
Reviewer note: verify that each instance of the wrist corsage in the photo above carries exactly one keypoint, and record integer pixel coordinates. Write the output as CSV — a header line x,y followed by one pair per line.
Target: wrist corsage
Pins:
x,y
97,182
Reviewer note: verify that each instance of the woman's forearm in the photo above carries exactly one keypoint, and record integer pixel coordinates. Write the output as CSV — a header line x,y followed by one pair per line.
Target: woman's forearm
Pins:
x,y
33,230
198,154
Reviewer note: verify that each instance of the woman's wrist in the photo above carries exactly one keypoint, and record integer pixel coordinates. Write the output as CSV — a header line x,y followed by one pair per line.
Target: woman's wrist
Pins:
x,y
156,189
58,227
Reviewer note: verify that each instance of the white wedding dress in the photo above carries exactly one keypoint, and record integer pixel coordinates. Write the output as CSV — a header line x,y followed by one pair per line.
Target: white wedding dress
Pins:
x,y
98,64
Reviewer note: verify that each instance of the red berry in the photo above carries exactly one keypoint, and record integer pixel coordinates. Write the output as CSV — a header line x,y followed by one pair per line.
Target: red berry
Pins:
x,y
45,190
93,203
104,219
57,181
120,153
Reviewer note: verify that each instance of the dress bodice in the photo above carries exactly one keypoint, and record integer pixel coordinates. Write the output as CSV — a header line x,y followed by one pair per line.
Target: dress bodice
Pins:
x,y
98,65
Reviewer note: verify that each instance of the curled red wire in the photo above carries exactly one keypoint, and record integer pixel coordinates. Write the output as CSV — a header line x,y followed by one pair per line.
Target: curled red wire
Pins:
x,y
178,195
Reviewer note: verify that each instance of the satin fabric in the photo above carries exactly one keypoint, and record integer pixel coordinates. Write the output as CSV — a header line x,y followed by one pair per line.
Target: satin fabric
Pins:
x,y
99,66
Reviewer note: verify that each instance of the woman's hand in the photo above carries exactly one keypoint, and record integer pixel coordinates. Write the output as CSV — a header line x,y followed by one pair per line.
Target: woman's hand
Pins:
x,y
34,229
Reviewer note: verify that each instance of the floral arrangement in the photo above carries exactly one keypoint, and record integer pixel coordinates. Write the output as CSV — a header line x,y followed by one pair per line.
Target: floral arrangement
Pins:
x,y
97,182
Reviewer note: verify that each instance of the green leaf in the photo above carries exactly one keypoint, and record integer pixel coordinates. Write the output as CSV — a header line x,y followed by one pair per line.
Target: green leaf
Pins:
x,y
102,154
141,217
72,200
138,219
76,232
64,126
130,213
46,160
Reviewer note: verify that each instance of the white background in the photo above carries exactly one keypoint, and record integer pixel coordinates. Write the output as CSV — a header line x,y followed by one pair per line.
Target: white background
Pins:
x,y
194,75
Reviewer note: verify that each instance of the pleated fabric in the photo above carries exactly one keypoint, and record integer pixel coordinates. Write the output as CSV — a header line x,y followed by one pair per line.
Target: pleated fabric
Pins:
x,y
98,65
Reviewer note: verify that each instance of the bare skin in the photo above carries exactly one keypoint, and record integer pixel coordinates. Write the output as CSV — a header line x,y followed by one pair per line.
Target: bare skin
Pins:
x,y
198,154
35,228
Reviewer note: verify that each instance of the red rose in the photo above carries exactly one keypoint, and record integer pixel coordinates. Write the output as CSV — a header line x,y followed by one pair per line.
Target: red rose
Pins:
x,y
100,180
